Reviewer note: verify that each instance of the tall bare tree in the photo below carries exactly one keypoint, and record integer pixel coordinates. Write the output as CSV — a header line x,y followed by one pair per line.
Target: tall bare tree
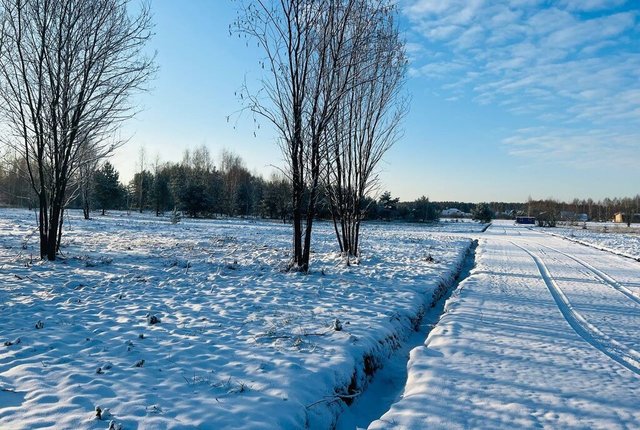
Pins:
x,y
139,179
87,166
369,119
233,170
308,64
67,71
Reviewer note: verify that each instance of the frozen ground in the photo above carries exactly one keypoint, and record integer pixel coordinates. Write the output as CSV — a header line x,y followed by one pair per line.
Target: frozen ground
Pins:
x,y
543,334
239,343
607,236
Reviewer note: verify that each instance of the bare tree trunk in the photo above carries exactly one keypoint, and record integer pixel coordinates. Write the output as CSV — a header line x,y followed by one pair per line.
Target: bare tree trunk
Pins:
x,y
86,210
59,236
311,213
43,226
88,164
52,236
305,45
156,173
335,220
370,113
67,69
298,191
142,156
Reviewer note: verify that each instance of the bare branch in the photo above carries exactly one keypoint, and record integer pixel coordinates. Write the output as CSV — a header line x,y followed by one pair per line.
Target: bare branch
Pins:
x,y
68,69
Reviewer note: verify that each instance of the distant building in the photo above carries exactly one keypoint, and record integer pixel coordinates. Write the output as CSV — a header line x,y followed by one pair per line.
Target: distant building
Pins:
x,y
525,220
453,213
622,217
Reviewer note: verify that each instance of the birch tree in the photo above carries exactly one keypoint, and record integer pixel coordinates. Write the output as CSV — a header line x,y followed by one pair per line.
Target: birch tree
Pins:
x,y
68,69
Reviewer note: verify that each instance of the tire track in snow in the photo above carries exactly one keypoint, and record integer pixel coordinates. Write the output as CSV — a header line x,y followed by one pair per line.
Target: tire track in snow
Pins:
x,y
618,352
601,275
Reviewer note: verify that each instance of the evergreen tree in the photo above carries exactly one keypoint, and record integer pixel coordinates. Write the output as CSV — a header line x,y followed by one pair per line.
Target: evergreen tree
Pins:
x,y
424,210
388,205
161,197
275,202
107,188
482,212
141,187
194,198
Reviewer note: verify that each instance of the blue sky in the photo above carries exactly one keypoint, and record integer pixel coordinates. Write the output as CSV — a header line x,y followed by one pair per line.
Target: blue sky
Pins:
x,y
510,99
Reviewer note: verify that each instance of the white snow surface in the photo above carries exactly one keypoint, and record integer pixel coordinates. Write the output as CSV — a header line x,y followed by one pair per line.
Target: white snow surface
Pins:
x,y
543,334
614,240
240,342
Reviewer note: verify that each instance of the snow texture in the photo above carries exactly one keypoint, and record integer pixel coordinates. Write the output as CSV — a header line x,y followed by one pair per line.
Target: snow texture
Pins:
x,y
196,325
543,334
615,240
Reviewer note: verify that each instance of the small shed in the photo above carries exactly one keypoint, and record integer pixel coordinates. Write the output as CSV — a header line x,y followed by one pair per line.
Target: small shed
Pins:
x,y
621,217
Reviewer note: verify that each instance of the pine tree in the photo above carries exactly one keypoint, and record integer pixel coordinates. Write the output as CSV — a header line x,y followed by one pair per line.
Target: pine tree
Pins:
x,y
425,211
107,189
482,212
388,204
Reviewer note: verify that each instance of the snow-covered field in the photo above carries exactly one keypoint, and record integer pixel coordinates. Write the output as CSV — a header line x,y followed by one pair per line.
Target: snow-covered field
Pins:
x,y
607,236
543,334
195,325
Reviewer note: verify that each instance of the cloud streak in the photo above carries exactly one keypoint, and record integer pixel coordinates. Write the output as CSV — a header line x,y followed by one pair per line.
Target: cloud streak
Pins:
x,y
573,66
583,149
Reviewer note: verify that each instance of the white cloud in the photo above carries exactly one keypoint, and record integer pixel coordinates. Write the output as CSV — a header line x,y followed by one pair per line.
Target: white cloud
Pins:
x,y
427,6
590,5
594,30
413,48
573,65
440,69
576,148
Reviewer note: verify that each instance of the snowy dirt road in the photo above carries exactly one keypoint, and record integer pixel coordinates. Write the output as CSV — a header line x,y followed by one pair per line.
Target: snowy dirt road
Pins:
x,y
543,334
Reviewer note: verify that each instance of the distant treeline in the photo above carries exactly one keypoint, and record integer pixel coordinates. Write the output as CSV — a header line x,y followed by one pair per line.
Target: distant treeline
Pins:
x,y
551,210
198,188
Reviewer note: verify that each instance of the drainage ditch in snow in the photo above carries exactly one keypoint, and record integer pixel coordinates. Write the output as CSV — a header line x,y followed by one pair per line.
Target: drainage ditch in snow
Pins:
x,y
388,383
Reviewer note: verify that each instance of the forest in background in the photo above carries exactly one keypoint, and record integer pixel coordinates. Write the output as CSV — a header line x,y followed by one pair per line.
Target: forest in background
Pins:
x,y
197,187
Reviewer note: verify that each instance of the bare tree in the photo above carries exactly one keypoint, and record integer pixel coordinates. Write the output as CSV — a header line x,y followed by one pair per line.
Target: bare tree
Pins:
x,y
156,191
232,169
369,119
67,71
307,58
87,166
142,163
